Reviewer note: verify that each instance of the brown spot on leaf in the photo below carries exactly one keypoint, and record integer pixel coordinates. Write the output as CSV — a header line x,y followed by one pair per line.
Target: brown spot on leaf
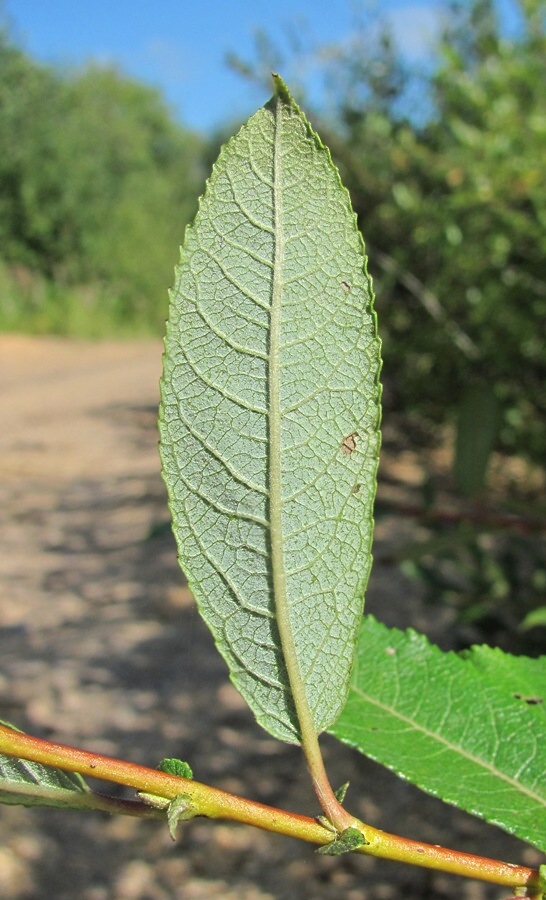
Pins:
x,y
532,701
356,488
348,444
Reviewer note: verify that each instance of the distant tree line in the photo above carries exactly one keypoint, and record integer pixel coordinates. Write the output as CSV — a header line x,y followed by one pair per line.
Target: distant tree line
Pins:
x,y
97,182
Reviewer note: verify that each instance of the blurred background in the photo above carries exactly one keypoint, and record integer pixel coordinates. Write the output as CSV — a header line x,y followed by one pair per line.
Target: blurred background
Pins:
x,y
111,115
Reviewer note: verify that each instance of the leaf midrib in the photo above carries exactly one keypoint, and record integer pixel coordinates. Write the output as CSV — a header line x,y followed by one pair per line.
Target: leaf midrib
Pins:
x,y
278,569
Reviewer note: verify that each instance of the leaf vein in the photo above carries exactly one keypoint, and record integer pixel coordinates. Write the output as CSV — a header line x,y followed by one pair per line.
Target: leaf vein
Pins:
x,y
222,391
220,459
452,747
261,226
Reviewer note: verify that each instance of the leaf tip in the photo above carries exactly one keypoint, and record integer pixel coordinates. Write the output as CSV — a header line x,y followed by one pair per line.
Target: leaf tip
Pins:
x,y
281,90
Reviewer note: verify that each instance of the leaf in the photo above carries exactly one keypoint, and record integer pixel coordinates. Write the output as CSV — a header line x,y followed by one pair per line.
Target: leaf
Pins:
x,y
173,767
176,767
180,809
534,619
269,417
477,430
469,728
350,839
24,783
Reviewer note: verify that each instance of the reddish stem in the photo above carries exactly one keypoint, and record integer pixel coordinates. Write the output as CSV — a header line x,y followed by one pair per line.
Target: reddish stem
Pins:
x,y
214,803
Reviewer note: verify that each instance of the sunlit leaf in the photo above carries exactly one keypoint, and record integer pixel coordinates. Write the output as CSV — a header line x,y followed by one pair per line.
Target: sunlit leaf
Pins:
x,y
269,419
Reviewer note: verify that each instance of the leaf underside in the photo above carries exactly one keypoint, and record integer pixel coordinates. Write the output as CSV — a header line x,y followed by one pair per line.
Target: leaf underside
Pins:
x,y
269,416
24,783
468,728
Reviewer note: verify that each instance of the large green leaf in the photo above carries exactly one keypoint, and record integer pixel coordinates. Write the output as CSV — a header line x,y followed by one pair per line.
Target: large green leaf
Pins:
x,y
269,417
469,728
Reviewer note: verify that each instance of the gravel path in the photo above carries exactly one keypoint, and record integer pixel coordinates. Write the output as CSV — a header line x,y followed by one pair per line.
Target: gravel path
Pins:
x,y
101,647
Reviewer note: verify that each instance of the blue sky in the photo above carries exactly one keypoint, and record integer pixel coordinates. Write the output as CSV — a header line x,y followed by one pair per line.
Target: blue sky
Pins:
x,y
180,46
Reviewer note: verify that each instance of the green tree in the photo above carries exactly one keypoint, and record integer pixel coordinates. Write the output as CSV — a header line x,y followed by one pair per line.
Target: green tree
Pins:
x,y
489,145
445,165
97,180
465,215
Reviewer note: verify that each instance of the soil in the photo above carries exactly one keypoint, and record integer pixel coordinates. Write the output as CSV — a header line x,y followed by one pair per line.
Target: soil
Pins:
x,y
101,647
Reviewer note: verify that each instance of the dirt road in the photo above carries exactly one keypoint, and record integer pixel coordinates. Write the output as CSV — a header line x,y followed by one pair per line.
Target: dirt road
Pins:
x,y
101,647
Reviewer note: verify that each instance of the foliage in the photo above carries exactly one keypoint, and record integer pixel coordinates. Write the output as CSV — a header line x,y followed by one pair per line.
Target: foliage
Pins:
x,y
96,183
459,206
31,302
445,170
494,578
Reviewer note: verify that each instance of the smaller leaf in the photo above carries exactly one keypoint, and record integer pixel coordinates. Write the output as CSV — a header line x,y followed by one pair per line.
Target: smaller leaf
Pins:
x,y
534,619
350,839
180,809
171,767
25,783
176,767
341,792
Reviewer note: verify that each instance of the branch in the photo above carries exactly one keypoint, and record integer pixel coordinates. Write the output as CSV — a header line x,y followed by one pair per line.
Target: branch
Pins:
x,y
479,516
216,804
430,302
